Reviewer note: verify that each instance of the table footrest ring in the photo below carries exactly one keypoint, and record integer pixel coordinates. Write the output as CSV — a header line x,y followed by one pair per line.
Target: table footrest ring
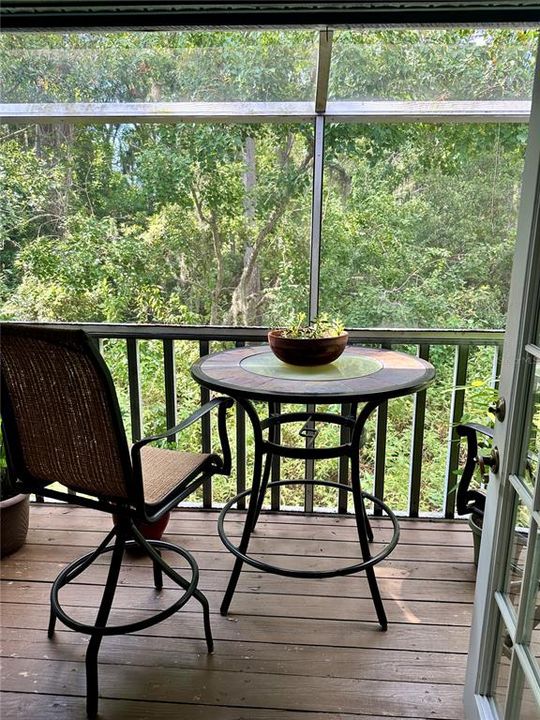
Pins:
x,y
276,570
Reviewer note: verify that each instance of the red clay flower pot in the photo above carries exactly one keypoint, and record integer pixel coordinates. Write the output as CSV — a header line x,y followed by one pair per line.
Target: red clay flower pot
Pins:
x,y
151,531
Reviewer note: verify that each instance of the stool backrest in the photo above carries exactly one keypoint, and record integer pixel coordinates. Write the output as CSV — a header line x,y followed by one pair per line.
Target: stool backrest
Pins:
x,y
60,414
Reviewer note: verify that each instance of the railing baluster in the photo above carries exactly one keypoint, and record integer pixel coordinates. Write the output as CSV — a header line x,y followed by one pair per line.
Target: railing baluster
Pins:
x,y
134,383
417,444
309,466
240,448
275,492
343,470
169,371
380,449
496,367
206,429
456,412
380,453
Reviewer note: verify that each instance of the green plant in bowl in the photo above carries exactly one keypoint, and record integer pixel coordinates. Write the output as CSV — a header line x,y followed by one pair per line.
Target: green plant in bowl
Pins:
x,y
322,327
318,343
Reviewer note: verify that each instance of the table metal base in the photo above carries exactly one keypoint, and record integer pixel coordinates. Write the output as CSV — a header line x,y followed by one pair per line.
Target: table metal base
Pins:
x,y
364,535
368,376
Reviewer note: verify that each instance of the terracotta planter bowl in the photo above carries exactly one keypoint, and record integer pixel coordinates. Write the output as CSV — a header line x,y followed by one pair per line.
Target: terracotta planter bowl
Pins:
x,y
14,513
307,351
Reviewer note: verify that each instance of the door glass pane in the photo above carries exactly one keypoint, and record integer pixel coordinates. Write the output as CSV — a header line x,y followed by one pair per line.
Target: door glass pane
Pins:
x,y
530,460
161,223
532,628
429,64
518,550
169,66
530,709
501,675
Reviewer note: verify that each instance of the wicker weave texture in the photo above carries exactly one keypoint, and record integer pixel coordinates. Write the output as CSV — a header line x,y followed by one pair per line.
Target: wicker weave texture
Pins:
x,y
64,422
163,470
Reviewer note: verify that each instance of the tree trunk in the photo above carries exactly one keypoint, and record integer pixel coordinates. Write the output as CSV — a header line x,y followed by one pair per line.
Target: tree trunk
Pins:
x,y
247,296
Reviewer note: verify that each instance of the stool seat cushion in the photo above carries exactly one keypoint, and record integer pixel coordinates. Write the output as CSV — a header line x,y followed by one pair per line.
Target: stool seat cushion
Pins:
x,y
163,470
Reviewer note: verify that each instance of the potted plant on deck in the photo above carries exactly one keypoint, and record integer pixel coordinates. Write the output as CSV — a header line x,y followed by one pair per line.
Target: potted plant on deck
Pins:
x,y
317,343
14,510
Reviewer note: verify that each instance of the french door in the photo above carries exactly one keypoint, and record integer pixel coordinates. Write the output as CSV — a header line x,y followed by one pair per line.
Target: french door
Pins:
x,y
503,673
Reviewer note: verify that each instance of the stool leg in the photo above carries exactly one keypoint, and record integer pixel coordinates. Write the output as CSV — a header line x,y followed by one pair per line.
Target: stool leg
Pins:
x,y
77,568
206,616
362,527
159,563
52,623
92,691
158,574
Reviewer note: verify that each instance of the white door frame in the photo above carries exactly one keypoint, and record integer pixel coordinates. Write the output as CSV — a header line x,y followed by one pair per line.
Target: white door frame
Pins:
x,y
514,384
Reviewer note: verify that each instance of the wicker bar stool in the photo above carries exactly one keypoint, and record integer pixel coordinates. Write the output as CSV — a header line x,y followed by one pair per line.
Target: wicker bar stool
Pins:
x,y
62,425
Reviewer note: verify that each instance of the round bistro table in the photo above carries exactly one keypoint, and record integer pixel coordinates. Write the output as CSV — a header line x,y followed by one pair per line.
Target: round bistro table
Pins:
x,y
361,375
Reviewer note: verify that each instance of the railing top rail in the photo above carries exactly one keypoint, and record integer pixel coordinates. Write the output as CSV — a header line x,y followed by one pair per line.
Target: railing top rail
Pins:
x,y
395,336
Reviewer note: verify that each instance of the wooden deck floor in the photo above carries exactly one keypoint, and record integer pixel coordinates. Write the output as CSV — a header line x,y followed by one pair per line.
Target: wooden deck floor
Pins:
x,y
290,650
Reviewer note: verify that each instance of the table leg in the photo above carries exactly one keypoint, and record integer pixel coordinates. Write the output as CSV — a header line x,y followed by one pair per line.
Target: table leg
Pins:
x,y
273,435
254,501
264,485
365,532
353,413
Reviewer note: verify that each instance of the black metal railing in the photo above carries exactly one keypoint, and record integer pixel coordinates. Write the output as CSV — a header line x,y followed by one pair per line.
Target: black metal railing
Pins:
x,y
207,337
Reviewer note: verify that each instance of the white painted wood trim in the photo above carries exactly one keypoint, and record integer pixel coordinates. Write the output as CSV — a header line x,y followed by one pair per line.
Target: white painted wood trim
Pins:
x,y
449,111
514,388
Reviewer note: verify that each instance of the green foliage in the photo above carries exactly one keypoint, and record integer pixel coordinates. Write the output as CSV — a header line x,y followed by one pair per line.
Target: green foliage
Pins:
x,y
206,223
322,327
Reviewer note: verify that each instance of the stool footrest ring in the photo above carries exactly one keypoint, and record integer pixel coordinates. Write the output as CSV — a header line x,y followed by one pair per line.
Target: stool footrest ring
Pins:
x,y
81,563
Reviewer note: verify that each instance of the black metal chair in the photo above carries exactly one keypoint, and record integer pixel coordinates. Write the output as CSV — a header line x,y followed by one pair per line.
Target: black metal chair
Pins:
x,y
472,500
62,425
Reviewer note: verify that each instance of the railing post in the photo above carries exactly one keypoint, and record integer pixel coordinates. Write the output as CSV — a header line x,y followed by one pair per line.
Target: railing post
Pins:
x,y
309,464
380,449
417,444
134,383
206,429
343,470
275,492
240,448
456,413
169,372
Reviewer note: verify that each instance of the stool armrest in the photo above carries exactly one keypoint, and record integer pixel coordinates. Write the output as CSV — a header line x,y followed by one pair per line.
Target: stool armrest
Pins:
x,y
221,466
470,501
221,402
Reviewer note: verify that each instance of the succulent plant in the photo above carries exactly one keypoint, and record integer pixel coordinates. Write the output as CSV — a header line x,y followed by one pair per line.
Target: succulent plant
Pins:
x,y
322,327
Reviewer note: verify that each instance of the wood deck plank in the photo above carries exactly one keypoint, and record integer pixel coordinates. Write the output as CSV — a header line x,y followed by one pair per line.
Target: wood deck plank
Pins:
x,y
241,656
219,561
275,605
292,649
21,705
278,546
362,633
246,690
